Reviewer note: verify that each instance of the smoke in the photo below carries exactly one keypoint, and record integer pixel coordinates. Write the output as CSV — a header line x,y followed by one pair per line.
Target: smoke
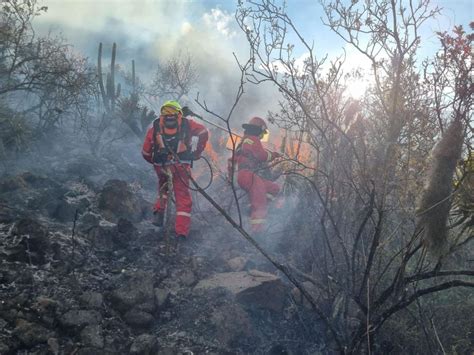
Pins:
x,y
152,32
435,202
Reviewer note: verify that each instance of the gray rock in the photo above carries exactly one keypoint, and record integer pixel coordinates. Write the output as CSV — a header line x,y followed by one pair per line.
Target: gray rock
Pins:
x,y
238,263
89,350
231,322
80,318
125,232
92,299
118,200
253,288
161,296
136,288
3,323
187,278
26,180
4,348
53,345
124,226
31,334
137,318
166,351
88,220
45,305
144,344
62,211
28,242
300,299
146,307
9,214
101,237
92,336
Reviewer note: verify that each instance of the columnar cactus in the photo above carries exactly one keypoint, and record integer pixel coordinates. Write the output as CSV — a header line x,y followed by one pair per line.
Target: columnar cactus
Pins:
x,y
109,92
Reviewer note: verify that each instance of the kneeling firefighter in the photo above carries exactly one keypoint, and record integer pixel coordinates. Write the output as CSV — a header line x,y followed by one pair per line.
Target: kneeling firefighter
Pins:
x,y
168,147
251,159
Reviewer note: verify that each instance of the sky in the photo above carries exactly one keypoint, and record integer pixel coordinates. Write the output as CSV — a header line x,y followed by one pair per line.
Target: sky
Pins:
x,y
150,31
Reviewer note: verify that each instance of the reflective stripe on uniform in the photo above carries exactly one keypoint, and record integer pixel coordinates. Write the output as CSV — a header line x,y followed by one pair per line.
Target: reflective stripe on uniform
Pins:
x,y
270,197
203,131
247,141
257,221
146,153
269,156
186,214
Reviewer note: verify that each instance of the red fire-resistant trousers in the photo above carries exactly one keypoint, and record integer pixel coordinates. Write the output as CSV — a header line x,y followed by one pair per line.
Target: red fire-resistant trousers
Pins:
x,y
180,179
259,190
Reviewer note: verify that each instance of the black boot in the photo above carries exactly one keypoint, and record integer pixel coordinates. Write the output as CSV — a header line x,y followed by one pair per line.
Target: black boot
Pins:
x,y
158,218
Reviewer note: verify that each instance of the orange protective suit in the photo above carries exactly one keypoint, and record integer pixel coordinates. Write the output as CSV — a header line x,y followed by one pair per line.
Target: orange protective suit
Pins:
x,y
250,158
175,164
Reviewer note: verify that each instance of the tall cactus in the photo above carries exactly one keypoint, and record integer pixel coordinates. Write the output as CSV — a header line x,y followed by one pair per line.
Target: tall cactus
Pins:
x,y
109,92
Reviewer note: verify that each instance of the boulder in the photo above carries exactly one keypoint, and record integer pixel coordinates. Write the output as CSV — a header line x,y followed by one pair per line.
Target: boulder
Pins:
x,y
26,180
53,346
144,344
4,349
138,319
88,220
31,334
62,210
46,309
161,296
3,324
125,232
79,318
92,336
135,288
186,277
89,350
311,289
9,214
117,200
28,242
92,299
252,288
101,237
231,323
238,263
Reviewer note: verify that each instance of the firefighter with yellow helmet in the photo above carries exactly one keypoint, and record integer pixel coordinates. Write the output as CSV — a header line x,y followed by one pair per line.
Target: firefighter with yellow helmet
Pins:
x,y
168,147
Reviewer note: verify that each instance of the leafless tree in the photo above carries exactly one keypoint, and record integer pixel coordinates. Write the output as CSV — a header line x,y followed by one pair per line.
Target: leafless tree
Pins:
x,y
174,78
40,72
367,258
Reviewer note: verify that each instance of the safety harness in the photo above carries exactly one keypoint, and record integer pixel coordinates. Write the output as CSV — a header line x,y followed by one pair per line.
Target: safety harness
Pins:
x,y
167,146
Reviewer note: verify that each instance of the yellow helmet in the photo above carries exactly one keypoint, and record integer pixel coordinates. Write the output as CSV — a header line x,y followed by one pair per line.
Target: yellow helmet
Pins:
x,y
171,107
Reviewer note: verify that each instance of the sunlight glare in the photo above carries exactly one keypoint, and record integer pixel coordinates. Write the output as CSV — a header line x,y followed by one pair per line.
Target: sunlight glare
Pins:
x,y
356,88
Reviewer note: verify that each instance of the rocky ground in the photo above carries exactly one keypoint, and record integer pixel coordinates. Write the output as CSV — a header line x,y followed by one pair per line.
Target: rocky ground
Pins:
x,y
84,272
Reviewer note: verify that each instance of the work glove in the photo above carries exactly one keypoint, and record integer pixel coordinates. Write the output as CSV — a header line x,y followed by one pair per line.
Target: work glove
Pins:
x,y
187,111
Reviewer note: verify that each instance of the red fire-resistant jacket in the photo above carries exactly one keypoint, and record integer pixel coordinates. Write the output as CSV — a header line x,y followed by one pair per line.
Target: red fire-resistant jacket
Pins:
x,y
251,154
195,130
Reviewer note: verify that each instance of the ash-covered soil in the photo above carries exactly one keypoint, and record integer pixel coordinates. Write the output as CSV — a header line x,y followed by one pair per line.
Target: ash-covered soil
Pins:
x,y
84,272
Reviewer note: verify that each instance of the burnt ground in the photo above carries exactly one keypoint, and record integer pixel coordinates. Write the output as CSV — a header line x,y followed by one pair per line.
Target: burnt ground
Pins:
x,y
84,272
